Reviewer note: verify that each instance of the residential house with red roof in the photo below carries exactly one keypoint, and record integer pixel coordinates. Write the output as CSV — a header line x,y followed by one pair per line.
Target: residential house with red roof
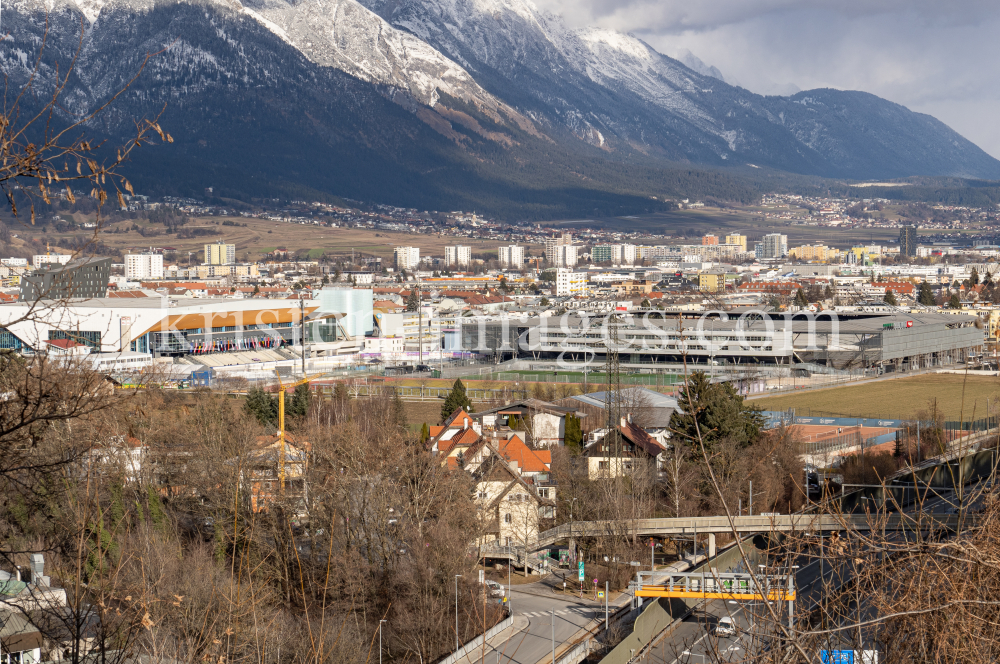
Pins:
x,y
628,449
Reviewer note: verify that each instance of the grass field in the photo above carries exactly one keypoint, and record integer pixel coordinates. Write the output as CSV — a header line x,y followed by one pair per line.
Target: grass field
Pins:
x,y
260,236
900,398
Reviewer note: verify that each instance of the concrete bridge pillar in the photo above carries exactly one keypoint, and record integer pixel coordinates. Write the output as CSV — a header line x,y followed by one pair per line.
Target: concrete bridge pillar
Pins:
x,y
711,545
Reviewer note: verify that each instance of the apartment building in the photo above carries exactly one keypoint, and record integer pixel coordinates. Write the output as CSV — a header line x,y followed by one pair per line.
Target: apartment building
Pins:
x,y
560,251
511,256
220,253
406,258
570,283
457,256
144,266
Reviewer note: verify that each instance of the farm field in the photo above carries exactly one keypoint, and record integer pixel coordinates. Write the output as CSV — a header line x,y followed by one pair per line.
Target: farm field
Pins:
x,y
900,398
261,236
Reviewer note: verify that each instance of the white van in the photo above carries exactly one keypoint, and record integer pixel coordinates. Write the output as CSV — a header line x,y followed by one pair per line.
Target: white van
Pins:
x,y
725,627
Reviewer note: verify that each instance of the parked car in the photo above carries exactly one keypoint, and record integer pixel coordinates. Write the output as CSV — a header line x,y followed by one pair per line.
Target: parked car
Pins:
x,y
725,627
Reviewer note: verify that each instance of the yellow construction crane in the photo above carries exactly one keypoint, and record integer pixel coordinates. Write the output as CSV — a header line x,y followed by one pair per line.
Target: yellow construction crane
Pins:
x,y
281,424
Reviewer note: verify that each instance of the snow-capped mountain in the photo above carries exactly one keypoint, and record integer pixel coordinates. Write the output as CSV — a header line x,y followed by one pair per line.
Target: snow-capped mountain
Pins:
x,y
443,104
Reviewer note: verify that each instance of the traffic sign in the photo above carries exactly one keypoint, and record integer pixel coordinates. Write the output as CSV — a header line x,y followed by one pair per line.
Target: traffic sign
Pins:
x,y
837,656
579,569
600,594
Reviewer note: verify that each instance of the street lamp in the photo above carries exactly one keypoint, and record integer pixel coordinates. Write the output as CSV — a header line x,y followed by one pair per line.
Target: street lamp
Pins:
x,y
456,612
380,640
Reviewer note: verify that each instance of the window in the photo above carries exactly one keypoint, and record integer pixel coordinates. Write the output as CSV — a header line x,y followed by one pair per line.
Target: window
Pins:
x,y
506,518
544,493
482,495
603,465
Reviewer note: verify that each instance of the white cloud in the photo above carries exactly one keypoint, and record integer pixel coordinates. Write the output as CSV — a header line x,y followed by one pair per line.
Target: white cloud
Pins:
x,y
934,57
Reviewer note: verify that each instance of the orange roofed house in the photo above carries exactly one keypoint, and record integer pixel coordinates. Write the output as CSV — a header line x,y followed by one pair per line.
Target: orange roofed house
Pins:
x,y
515,496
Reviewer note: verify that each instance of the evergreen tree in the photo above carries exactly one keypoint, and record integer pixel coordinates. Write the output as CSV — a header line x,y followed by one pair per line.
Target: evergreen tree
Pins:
x,y
399,410
926,295
545,302
974,277
425,434
800,299
954,302
890,298
298,404
455,400
645,304
574,434
261,405
412,301
719,411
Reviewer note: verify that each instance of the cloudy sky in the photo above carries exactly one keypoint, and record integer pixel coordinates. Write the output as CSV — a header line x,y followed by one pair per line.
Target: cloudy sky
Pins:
x,y
940,57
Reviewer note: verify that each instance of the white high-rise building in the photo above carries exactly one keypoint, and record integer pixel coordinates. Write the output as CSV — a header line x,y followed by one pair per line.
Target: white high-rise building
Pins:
x,y
564,255
406,258
144,266
39,260
569,282
511,256
560,251
457,255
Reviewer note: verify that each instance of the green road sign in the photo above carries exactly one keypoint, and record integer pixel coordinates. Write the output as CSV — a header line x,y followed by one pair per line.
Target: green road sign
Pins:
x,y
579,569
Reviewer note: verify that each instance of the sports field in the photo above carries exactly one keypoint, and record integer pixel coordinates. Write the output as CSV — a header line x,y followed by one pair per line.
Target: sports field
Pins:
x,y
956,396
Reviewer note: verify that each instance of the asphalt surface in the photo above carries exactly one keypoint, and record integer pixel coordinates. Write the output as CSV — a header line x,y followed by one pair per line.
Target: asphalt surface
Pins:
x,y
547,612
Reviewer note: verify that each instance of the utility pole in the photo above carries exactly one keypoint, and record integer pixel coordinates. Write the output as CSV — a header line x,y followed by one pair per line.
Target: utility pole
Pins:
x,y
380,640
457,646
302,325
420,325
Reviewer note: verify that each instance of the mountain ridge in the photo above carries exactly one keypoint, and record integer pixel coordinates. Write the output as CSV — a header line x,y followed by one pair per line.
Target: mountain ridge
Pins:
x,y
452,105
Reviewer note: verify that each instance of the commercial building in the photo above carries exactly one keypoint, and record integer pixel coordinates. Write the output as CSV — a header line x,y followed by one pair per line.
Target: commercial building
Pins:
x,y
570,283
878,341
220,253
907,241
182,326
144,266
772,245
457,256
80,278
511,256
356,305
406,258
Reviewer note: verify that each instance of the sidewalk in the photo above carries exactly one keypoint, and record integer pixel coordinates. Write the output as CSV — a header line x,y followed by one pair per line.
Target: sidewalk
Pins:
x,y
497,643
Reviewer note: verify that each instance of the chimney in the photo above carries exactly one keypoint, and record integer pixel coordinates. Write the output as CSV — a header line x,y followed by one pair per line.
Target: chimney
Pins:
x,y
38,569
466,421
18,572
630,418
623,421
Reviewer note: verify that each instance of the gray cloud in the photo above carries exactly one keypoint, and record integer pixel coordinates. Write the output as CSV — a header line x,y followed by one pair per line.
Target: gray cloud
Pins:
x,y
933,57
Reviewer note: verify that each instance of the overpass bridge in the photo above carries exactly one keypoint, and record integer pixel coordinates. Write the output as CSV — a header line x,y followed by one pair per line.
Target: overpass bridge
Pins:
x,y
780,523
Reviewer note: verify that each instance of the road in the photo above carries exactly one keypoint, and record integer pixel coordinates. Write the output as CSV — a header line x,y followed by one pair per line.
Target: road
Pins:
x,y
543,608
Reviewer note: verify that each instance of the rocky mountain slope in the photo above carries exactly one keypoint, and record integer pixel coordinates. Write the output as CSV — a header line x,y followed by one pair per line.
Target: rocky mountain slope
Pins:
x,y
446,104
